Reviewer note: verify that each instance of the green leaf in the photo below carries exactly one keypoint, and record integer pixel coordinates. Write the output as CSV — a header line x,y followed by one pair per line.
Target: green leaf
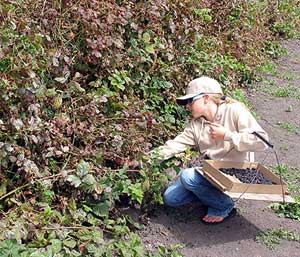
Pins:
x,y
98,236
61,79
146,37
72,204
101,209
83,168
89,179
40,253
84,235
96,251
75,87
136,192
150,49
89,183
207,18
10,248
70,243
56,245
86,208
5,64
50,92
3,188
74,180
170,118
118,84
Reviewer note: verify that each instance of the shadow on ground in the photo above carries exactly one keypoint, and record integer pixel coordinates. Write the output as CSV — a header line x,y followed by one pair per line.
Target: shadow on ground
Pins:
x,y
183,226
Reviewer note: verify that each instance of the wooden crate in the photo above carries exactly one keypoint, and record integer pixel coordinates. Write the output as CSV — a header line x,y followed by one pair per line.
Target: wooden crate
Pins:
x,y
235,188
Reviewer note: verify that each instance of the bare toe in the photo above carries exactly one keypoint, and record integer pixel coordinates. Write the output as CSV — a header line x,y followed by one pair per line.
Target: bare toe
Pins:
x,y
213,219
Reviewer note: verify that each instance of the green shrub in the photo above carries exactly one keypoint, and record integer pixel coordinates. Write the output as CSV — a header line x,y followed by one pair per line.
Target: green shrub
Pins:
x,y
87,85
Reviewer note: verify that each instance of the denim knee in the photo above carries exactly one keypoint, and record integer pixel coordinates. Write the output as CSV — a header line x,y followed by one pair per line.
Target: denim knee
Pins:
x,y
169,199
189,179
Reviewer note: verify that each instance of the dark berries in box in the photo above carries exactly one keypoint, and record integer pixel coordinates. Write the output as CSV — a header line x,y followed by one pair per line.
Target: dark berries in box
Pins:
x,y
248,176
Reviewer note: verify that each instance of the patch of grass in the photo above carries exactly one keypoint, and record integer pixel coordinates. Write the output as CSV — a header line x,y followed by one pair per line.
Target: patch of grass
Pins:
x,y
239,95
288,126
268,68
282,92
273,237
287,210
274,49
294,128
292,176
289,76
288,90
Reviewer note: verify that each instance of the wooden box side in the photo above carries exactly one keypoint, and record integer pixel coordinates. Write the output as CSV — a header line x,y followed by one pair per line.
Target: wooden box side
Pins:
x,y
270,175
232,185
258,188
216,177
279,188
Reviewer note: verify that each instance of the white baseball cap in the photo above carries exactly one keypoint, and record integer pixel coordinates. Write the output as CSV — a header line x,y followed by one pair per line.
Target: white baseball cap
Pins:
x,y
203,85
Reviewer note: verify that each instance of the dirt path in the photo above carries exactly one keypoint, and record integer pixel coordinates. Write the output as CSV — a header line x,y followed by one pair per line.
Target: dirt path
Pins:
x,y
281,118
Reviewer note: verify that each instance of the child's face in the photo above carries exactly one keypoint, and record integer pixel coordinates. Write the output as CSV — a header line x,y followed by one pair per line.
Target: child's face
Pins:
x,y
197,107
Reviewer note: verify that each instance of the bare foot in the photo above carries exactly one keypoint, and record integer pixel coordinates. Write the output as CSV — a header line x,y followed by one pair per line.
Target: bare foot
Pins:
x,y
212,219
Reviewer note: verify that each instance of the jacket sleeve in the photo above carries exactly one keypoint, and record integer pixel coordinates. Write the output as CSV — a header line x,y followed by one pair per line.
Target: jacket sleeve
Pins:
x,y
243,139
175,146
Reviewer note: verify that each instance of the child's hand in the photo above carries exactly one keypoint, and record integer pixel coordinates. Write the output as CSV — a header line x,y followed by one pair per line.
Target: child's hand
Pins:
x,y
217,131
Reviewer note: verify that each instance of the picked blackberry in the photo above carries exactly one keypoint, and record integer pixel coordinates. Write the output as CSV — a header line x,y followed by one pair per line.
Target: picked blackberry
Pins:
x,y
248,176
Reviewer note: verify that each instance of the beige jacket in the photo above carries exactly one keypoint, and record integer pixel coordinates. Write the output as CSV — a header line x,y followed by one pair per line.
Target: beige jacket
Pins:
x,y
238,145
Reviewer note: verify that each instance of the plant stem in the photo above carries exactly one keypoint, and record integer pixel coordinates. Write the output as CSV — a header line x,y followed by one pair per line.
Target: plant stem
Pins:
x,y
74,227
28,184
13,191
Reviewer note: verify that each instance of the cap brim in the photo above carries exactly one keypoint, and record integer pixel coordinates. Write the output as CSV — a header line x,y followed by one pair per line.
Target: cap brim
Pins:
x,y
184,100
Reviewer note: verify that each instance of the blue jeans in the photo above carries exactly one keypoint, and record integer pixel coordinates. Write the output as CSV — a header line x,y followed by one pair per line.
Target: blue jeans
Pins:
x,y
192,187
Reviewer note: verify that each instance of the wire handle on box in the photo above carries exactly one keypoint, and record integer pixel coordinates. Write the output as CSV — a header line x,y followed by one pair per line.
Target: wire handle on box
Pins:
x,y
263,139
278,164
280,177
277,159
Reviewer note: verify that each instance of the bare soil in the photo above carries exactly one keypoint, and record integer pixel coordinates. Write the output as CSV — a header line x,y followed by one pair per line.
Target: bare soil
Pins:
x,y
236,237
